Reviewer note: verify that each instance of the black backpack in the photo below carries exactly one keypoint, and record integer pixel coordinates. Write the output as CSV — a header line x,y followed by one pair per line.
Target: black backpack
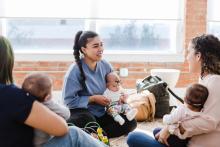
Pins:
x,y
160,89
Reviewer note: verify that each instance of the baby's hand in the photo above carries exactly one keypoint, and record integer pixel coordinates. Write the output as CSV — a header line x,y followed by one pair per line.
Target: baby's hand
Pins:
x,y
163,136
123,98
48,97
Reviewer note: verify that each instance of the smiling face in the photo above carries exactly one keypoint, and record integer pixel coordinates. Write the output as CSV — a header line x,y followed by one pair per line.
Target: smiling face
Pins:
x,y
194,59
113,82
93,50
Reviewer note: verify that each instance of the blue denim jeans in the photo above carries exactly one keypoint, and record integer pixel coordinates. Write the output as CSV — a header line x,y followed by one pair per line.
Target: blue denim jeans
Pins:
x,y
75,138
139,139
173,140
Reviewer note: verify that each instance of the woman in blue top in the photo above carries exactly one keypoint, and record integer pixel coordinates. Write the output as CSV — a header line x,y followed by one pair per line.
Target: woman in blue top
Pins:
x,y
85,84
20,113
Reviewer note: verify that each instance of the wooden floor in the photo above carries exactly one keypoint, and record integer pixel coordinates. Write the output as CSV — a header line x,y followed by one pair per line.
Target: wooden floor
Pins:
x,y
146,127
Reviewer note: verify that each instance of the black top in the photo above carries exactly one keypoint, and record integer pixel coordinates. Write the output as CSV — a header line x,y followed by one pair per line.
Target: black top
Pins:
x,y
15,107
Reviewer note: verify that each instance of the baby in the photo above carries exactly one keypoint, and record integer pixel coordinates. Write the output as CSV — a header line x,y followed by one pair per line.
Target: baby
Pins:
x,y
115,92
40,86
194,100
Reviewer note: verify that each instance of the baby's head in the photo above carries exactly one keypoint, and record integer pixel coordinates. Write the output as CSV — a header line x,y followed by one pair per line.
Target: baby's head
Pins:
x,y
196,96
38,85
113,81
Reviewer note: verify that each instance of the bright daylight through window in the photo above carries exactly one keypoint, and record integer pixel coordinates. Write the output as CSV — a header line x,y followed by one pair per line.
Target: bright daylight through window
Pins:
x,y
214,17
125,25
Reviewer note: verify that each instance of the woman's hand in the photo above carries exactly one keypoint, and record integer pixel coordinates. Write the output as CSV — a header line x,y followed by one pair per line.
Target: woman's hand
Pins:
x,y
182,130
162,136
99,99
123,98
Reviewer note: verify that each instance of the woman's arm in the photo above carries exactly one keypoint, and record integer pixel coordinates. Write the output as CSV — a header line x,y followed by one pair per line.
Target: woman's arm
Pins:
x,y
206,124
99,99
73,100
211,118
45,120
70,94
196,126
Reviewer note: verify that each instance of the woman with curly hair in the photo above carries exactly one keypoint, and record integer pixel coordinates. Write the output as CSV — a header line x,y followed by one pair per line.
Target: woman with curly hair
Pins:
x,y
203,56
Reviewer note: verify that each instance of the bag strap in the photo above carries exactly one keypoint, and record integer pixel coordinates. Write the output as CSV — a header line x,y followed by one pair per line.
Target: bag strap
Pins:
x,y
166,85
177,97
157,79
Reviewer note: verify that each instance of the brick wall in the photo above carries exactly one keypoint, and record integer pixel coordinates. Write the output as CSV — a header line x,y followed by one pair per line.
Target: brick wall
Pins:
x,y
57,71
194,24
194,19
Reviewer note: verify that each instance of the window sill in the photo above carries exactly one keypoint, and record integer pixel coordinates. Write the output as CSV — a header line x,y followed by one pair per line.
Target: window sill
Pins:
x,y
112,56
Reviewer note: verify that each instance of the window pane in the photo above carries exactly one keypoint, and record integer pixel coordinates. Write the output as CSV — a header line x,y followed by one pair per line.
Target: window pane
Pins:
x,y
41,34
146,25
47,8
214,28
213,10
133,9
132,35
214,17
137,35
140,9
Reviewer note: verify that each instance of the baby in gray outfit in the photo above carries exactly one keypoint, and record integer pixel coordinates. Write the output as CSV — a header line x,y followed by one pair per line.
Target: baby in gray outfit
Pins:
x,y
40,86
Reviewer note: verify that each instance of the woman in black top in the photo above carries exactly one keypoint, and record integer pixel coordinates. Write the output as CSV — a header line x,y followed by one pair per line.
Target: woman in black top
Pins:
x,y
20,113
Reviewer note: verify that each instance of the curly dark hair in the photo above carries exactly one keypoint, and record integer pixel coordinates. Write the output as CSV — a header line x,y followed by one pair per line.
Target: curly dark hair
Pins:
x,y
81,40
209,47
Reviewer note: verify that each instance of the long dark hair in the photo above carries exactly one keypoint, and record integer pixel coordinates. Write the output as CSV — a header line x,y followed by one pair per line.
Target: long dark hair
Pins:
x,y
81,40
209,48
6,61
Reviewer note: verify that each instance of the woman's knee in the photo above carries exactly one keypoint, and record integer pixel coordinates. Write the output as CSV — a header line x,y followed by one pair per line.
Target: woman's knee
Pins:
x,y
74,131
133,138
131,125
139,139
72,138
156,130
81,119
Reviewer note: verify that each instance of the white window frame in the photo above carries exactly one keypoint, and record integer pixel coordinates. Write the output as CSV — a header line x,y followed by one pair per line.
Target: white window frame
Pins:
x,y
210,19
119,56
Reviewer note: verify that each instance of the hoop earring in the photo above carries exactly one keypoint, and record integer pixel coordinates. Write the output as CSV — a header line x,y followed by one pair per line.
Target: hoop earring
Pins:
x,y
205,66
82,55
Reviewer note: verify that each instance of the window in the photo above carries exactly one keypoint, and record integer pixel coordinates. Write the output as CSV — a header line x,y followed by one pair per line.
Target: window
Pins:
x,y
125,25
43,34
138,34
213,17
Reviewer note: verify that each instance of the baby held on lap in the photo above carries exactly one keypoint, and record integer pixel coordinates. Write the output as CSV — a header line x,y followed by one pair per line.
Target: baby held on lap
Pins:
x,y
40,86
117,97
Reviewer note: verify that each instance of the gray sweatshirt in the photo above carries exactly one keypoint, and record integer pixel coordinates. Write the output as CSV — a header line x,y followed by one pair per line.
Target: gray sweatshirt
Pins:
x,y
77,97
41,137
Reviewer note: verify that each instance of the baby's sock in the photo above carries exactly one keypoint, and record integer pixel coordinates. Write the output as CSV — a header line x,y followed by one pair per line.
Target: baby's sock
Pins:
x,y
119,119
131,114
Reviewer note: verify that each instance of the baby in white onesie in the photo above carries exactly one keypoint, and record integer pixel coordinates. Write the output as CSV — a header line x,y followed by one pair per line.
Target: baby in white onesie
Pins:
x,y
195,97
115,92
